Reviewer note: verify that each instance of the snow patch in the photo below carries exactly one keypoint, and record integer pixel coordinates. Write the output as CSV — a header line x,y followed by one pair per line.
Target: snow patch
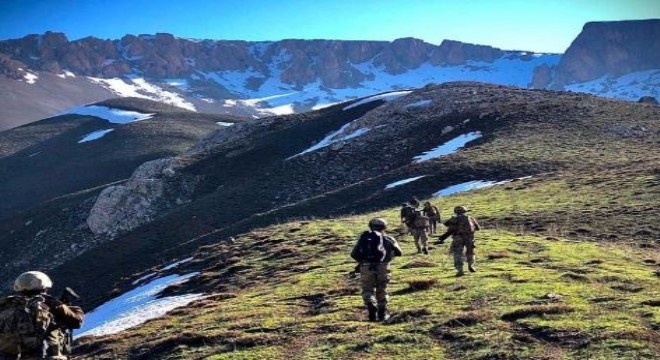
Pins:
x,y
30,78
175,264
447,148
115,116
94,135
472,185
385,97
66,74
403,182
135,307
419,104
178,83
142,278
334,138
630,86
462,187
222,123
138,87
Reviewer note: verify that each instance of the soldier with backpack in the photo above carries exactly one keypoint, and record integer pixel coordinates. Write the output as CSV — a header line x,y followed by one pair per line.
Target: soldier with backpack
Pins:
x,y
462,228
32,322
374,251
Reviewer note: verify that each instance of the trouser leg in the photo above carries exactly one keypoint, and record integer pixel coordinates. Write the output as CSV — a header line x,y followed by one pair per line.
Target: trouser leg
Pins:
x,y
469,251
368,285
416,236
383,280
457,250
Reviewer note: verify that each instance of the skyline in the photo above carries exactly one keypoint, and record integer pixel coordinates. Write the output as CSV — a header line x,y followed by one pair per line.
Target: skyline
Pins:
x,y
509,24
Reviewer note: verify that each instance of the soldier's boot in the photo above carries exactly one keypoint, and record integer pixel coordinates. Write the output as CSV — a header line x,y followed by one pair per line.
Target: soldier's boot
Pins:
x,y
425,250
373,312
383,315
471,268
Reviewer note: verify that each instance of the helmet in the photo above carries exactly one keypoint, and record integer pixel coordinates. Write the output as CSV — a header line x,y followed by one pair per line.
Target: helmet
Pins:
x,y
378,223
32,281
460,209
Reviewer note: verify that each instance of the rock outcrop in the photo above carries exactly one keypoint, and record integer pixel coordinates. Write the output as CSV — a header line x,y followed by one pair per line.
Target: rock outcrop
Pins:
x,y
612,48
154,188
648,100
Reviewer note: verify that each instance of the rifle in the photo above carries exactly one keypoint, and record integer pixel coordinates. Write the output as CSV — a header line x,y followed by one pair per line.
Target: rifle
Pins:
x,y
67,298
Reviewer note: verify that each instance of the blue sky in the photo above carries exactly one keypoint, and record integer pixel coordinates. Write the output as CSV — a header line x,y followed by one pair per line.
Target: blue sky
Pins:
x,y
538,25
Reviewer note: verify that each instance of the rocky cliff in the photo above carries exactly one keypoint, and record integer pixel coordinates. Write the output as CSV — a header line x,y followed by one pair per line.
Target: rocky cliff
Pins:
x,y
610,48
256,79
163,55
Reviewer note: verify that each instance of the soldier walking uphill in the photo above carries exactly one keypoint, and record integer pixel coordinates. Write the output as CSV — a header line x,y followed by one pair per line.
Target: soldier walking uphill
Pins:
x,y
33,324
374,251
432,212
418,224
462,228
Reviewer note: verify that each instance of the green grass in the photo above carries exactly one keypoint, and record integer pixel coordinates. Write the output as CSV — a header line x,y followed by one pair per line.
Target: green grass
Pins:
x,y
309,306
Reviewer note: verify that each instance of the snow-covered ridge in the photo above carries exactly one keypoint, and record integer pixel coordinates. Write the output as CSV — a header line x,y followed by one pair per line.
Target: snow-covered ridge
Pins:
x,y
135,307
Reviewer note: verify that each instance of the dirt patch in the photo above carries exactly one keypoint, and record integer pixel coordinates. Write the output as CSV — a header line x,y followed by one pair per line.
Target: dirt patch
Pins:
x,y
594,262
417,284
628,287
317,303
575,277
497,255
571,337
407,316
469,318
651,302
536,310
419,263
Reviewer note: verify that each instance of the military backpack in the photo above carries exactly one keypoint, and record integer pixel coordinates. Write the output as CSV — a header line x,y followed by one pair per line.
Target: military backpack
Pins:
x,y
372,247
464,225
23,324
420,220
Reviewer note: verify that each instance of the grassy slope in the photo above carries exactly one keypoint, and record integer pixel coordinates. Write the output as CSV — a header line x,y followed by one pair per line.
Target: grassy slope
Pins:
x,y
285,291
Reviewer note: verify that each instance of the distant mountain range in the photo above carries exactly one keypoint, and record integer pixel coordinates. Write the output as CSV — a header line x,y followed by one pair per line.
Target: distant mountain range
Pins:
x,y
42,75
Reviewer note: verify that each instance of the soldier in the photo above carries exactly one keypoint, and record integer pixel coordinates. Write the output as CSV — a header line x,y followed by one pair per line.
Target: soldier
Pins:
x,y
462,228
374,251
407,213
419,224
33,323
432,212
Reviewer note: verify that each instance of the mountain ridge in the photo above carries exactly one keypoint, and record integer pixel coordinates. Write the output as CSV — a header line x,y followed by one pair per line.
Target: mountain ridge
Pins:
x,y
274,78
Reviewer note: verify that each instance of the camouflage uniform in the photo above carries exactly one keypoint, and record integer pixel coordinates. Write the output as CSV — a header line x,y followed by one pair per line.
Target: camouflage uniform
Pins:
x,y
55,344
375,271
462,228
421,238
433,214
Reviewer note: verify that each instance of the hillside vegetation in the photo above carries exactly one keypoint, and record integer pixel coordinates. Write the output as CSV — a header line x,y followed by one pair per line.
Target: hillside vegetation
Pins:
x,y
287,291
